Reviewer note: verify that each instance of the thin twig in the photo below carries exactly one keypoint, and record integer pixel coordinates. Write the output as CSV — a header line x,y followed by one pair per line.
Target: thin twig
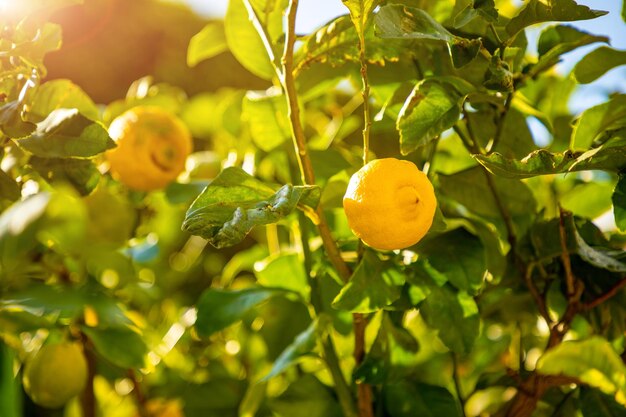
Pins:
x,y
567,264
140,398
365,92
500,125
457,382
607,295
539,300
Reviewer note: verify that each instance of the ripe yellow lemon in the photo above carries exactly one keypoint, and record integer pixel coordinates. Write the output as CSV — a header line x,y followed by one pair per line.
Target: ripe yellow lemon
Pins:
x,y
55,374
152,146
390,204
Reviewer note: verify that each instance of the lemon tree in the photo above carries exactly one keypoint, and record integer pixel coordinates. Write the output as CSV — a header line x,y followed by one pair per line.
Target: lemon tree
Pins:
x,y
416,209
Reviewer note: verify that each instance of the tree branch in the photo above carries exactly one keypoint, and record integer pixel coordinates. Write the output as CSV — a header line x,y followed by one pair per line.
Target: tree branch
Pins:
x,y
606,296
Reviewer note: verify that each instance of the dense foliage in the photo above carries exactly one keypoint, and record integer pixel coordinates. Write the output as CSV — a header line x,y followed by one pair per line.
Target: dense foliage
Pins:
x,y
239,289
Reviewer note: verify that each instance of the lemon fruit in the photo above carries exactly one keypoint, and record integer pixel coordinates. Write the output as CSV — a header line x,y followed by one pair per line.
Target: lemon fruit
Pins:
x,y
390,204
56,374
152,147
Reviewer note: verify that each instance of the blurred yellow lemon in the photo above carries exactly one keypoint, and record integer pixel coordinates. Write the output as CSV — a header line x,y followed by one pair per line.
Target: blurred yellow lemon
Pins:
x,y
390,204
56,374
152,146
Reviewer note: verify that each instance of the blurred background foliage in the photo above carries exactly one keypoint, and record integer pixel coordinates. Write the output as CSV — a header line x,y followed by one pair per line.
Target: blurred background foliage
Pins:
x,y
83,257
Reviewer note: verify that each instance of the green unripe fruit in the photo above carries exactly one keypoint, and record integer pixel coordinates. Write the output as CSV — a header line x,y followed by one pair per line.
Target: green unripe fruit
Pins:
x,y
56,374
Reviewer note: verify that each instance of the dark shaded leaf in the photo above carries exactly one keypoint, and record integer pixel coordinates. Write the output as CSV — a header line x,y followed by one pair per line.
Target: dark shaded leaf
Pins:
x,y
459,256
537,11
234,202
218,309
66,133
374,285
390,357
306,393
82,174
454,315
207,43
594,403
302,345
407,399
9,190
470,188
597,63
619,203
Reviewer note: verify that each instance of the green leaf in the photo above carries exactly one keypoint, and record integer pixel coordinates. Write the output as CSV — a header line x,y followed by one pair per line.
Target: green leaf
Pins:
x,y
597,258
360,11
538,11
459,256
610,156
64,304
430,109
121,346
244,41
218,309
595,121
10,390
454,315
40,41
9,190
593,361
594,403
62,94
374,285
307,394
266,113
302,345
408,399
402,22
470,188
283,271
337,42
66,133
558,40
597,63
391,354
619,203
483,8
82,174
235,202
209,42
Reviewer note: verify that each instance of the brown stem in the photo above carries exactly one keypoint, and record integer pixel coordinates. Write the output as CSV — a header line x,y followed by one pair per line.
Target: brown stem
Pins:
x,y
308,177
88,397
567,264
501,121
140,398
532,389
607,295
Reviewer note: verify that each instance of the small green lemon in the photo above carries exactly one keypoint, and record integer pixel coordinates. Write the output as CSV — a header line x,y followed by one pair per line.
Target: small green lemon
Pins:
x,y
56,374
